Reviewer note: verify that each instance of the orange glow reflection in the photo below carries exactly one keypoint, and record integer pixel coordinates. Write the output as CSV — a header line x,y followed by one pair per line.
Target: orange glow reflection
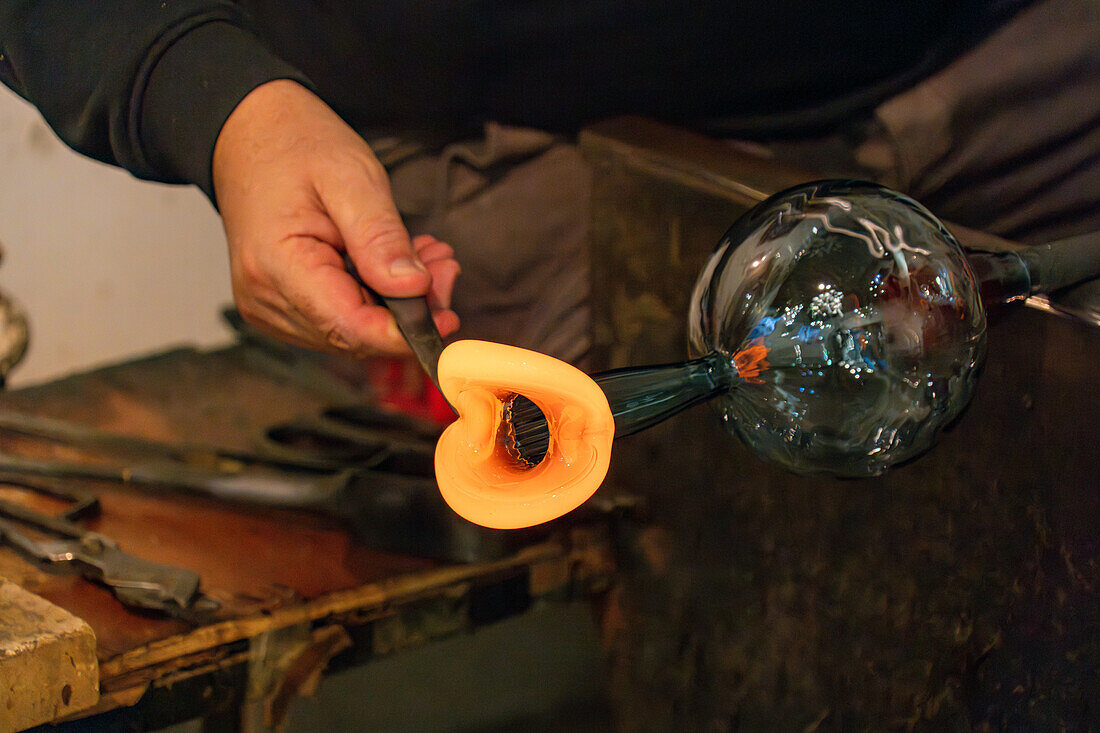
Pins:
x,y
751,361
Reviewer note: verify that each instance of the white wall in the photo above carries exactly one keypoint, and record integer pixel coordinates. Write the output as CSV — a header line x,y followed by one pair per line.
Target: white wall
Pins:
x,y
107,266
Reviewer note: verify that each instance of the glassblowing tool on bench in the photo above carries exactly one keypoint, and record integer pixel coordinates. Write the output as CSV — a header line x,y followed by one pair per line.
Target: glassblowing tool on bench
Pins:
x,y
134,581
355,435
390,500
196,454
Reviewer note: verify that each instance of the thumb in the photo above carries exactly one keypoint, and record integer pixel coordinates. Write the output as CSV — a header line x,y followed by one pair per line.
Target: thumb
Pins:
x,y
375,238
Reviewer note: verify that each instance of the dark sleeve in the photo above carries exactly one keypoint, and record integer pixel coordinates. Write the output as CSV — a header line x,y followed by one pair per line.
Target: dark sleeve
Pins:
x,y
144,84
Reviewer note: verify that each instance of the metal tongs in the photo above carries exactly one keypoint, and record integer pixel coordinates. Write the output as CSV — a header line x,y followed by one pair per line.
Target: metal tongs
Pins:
x,y
134,581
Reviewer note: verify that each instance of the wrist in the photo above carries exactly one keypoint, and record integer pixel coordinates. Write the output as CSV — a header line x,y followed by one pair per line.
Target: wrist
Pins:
x,y
263,111
193,89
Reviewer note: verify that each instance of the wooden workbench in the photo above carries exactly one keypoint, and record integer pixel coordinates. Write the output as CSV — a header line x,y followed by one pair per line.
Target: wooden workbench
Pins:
x,y
297,591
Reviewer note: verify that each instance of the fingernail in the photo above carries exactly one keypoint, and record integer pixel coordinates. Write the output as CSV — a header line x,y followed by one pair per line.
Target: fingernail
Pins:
x,y
403,266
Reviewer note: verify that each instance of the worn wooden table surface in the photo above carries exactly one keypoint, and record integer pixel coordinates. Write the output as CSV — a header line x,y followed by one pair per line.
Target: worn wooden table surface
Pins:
x,y
288,576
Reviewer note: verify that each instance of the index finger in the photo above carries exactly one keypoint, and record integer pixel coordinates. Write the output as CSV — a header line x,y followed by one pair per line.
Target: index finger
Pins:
x,y
338,311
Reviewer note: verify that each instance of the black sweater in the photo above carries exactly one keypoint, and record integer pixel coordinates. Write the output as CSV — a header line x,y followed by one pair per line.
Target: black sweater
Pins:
x,y
147,84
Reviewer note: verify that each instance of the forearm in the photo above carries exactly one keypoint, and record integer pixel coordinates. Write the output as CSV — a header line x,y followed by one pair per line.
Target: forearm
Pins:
x,y
144,85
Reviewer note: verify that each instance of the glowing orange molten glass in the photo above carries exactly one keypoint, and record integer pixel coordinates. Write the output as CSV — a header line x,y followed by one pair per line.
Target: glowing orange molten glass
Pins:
x,y
477,475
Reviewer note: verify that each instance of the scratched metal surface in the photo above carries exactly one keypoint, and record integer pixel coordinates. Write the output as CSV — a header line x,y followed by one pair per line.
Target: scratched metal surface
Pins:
x,y
959,592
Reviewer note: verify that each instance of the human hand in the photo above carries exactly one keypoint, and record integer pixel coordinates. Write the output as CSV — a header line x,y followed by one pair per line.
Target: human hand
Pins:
x,y
297,188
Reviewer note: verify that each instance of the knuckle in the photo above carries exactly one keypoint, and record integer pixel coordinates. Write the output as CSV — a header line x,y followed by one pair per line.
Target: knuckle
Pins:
x,y
383,232
357,172
247,271
247,311
372,169
335,337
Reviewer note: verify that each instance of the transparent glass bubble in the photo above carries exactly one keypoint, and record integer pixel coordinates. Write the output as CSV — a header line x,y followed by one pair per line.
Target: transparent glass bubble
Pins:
x,y
853,320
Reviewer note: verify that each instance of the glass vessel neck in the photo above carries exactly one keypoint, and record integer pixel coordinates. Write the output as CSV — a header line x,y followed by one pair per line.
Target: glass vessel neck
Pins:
x,y
640,397
1002,277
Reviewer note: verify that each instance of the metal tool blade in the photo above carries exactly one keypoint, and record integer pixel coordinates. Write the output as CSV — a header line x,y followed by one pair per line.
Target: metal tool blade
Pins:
x,y
135,581
414,319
